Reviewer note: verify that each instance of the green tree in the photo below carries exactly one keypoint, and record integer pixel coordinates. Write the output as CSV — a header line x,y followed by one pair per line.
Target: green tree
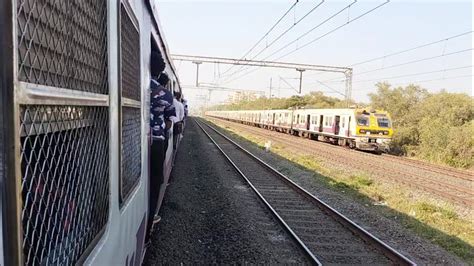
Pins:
x,y
436,127
398,101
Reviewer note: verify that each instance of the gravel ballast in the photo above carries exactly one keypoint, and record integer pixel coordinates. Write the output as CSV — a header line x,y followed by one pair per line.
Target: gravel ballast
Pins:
x,y
210,215
387,229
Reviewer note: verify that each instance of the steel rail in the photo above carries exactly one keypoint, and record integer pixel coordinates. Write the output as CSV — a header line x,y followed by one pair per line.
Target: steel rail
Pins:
x,y
306,250
445,170
388,251
421,184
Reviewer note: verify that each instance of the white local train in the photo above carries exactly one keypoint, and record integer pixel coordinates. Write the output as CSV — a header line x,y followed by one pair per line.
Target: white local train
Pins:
x,y
362,129
74,141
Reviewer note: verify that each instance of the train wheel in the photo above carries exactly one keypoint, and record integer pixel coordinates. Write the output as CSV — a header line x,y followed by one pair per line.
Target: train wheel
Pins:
x,y
341,142
352,145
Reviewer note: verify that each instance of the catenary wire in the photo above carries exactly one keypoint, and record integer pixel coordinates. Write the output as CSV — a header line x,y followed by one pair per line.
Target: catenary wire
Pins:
x,y
265,35
301,36
413,74
314,40
407,63
411,49
277,38
425,80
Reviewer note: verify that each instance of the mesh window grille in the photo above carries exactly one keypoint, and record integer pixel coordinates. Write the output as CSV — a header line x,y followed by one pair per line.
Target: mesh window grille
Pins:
x,y
130,58
131,149
63,44
65,185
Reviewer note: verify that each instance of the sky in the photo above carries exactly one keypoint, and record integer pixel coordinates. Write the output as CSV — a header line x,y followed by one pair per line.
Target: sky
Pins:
x,y
230,28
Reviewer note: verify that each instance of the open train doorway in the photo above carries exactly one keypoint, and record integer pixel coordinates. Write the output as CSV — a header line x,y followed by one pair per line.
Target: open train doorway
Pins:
x,y
308,122
337,120
321,118
348,133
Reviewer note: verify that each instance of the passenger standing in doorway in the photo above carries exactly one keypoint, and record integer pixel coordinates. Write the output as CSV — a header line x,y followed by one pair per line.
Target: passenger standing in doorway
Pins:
x,y
178,122
161,114
185,103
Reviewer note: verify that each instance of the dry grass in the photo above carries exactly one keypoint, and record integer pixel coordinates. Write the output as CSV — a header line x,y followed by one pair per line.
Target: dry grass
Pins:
x,y
431,219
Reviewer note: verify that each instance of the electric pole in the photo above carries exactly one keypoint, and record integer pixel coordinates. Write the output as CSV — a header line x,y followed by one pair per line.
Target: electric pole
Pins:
x,y
197,71
301,70
270,96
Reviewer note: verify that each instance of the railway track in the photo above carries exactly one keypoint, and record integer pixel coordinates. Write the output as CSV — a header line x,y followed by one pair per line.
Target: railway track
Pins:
x,y
461,193
460,174
325,235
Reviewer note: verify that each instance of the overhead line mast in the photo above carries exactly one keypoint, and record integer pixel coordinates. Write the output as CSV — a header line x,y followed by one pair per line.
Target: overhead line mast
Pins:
x,y
347,71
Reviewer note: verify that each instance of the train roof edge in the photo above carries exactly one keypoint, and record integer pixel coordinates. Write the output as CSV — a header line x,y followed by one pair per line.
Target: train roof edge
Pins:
x,y
153,9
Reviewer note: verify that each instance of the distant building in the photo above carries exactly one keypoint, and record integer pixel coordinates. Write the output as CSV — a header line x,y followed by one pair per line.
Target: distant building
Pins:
x,y
243,95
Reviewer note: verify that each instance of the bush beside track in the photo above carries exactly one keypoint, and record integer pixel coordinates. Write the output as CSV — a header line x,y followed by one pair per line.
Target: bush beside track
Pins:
x,y
433,127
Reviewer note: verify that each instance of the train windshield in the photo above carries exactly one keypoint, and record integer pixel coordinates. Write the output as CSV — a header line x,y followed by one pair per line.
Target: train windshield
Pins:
x,y
363,120
383,122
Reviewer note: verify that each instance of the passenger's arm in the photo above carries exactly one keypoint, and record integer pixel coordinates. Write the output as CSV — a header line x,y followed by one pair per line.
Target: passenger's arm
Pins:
x,y
170,111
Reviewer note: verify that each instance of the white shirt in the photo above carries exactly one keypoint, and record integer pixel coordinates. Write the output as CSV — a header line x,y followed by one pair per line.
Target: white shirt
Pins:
x,y
179,108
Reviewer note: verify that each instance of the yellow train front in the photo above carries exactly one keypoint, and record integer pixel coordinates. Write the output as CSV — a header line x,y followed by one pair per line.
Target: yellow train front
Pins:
x,y
372,130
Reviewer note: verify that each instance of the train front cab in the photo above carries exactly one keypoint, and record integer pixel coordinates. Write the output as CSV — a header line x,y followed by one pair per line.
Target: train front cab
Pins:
x,y
372,130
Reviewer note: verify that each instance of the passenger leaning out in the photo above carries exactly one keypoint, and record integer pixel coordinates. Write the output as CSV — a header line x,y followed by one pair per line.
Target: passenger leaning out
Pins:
x,y
162,112
179,118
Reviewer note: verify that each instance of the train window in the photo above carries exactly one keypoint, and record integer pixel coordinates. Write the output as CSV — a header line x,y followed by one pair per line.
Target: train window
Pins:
x,y
63,45
383,122
363,120
67,202
63,149
130,89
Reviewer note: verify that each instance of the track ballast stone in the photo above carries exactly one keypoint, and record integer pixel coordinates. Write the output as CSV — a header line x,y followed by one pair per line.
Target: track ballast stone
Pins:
x,y
210,216
389,230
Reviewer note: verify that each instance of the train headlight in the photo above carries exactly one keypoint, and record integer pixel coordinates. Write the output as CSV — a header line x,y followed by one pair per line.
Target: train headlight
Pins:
x,y
385,132
362,131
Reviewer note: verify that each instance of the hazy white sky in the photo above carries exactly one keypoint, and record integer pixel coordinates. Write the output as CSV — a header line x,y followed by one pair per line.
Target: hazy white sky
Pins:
x,y
230,28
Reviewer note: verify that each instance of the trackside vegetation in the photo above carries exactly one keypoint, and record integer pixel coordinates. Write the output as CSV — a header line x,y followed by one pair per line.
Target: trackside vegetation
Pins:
x,y
430,218
437,127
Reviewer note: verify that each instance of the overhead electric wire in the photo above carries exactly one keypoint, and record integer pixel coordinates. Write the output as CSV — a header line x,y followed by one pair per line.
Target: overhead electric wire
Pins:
x,y
332,89
438,79
279,37
287,30
411,49
318,38
304,34
335,29
413,74
407,50
314,28
406,63
426,80
266,34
